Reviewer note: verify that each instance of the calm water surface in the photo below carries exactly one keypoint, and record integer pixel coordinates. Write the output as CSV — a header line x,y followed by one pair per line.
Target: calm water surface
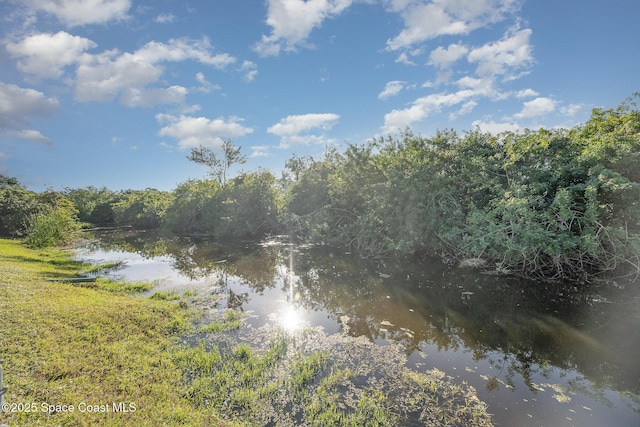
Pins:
x,y
539,355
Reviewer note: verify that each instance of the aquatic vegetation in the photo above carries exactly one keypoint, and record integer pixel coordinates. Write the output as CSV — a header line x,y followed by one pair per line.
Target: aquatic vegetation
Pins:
x,y
314,379
229,321
117,286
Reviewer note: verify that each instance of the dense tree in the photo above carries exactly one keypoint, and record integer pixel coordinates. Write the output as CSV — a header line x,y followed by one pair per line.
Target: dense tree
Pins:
x,y
247,207
16,204
550,203
94,205
193,209
141,209
44,219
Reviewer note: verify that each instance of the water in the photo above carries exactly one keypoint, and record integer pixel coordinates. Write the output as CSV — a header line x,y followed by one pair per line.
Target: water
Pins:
x,y
538,354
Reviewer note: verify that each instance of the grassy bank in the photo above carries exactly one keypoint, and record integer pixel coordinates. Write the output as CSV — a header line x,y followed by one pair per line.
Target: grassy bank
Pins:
x,y
97,347
64,345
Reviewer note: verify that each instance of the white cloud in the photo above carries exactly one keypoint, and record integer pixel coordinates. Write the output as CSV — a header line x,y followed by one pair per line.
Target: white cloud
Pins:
x,y
391,88
403,58
398,120
182,49
423,22
572,109
82,12
196,131
107,75
292,21
110,74
17,104
293,129
205,85
526,93
28,134
426,20
497,58
46,55
260,151
292,125
445,57
136,97
537,107
481,86
466,108
165,18
250,69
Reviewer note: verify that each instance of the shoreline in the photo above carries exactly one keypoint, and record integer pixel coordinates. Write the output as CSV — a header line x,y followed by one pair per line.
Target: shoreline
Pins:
x,y
65,338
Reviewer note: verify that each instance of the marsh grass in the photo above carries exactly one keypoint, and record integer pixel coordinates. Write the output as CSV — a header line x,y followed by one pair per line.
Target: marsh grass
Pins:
x,y
231,320
313,379
116,286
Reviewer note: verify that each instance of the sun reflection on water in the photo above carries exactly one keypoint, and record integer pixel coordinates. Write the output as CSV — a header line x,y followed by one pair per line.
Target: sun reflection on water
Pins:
x,y
291,319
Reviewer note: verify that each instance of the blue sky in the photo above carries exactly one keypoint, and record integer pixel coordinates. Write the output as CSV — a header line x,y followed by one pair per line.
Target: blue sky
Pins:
x,y
115,92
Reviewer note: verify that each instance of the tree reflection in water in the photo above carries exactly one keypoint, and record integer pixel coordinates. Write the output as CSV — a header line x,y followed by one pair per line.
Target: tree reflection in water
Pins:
x,y
525,330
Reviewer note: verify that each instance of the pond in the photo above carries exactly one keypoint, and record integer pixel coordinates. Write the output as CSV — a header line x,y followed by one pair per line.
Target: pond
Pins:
x,y
537,354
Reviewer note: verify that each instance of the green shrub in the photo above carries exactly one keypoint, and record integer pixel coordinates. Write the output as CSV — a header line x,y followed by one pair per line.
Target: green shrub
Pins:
x,y
53,226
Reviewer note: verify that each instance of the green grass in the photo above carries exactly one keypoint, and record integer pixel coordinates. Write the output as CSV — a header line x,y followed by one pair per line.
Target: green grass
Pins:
x,y
230,321
64,344
116,286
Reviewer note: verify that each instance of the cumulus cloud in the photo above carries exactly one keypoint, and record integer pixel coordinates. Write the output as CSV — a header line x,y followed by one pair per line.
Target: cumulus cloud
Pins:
x,y
492,61
496,61
196,131
426,20
294,130
391,88
398,120
500,57
46,55
182,49
111,74
445,57
526,93
83,12
292,21
18,105
537,107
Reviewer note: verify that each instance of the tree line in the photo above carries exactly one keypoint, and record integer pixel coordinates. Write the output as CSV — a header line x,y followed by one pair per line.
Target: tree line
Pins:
x,y
552,203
